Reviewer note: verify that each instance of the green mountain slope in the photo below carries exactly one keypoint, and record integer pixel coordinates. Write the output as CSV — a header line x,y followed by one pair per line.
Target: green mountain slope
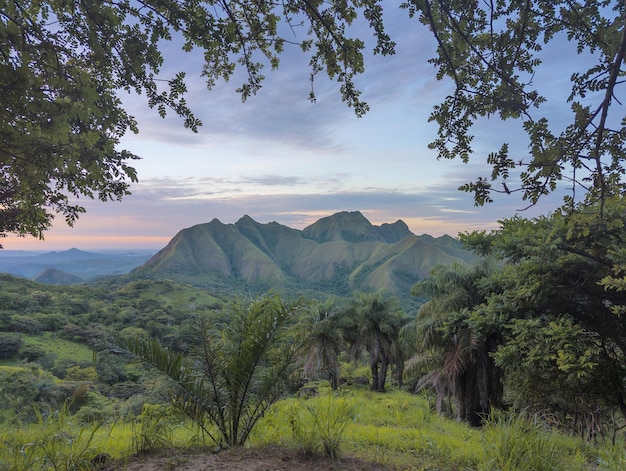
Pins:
x,y
337,254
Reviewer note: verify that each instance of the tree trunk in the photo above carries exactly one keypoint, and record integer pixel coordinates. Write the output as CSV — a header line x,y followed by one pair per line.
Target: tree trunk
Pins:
x,y
382,373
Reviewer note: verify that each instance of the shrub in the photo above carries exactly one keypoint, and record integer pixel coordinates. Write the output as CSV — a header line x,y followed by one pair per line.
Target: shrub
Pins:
x,y
9,345
237,371
318,424
32,352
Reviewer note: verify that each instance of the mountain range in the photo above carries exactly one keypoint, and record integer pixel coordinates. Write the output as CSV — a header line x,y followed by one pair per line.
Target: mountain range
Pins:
x,y
337,254
70,266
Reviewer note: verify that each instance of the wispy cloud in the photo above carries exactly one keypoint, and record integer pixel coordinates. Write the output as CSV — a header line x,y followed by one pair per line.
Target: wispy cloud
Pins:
x,y
279,157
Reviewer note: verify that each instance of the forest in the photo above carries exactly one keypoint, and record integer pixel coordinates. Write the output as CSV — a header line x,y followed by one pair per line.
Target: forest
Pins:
x,y
514,362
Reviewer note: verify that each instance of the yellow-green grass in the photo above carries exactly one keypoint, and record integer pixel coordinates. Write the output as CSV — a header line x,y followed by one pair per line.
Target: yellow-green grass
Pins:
x,y
56,442
51,344
396,430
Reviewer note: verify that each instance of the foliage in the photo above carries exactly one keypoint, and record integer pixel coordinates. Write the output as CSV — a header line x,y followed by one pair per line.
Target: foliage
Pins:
x,y
492,51
319,424
396,430
22,389
9,345
155,430
324,341
64,64
56,443
372,322
233,374
560,312
513,442
452,348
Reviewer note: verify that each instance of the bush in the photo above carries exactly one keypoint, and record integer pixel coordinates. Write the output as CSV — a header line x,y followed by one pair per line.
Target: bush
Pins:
x,y
318,424
9,345
32,353
76,373
26,325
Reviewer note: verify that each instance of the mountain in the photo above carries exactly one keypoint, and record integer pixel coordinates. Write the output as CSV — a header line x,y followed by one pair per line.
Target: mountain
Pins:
x,y
337,254
79,263
52,276
354,227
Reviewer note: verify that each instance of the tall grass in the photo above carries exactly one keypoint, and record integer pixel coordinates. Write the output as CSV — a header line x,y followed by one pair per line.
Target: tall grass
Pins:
x,y
54,443
612,456
60,443
515,442
319,424
395,430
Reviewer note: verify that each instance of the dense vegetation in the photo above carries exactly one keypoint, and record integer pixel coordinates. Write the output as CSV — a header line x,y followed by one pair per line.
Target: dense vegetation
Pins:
x,y
536,326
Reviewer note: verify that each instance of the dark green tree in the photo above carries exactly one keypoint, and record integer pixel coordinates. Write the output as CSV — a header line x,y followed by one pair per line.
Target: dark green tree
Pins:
x,y
233,373
560,296
63,64
454,351
324,341
372,322
9,345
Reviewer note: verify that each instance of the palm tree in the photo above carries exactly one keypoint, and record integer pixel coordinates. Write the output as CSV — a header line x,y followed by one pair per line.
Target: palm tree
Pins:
x,y
323,342
233,373
372,322
457,356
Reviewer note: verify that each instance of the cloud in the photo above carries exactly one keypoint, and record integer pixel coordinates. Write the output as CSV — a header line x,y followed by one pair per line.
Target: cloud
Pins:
x,y
279,157
272,180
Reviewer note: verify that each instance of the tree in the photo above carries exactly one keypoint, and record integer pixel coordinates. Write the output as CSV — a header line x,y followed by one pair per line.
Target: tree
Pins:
x,y
63,64
9,345
456,348
233,374
372,322
323,342
491,51
560,297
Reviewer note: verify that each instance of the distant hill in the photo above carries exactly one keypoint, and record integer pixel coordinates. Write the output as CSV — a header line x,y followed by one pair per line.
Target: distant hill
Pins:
x,y
79,263
337,254
52,276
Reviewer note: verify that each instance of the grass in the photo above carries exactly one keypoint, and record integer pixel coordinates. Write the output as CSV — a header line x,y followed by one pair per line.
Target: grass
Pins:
x,y
78,352
396,430
51,344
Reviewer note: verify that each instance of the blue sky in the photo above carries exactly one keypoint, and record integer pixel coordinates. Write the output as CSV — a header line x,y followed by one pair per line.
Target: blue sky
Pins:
x,y
279,157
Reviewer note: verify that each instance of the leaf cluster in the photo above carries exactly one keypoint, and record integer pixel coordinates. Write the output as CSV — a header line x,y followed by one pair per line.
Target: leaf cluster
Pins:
x,y
62,65
233,373
491,51
558,304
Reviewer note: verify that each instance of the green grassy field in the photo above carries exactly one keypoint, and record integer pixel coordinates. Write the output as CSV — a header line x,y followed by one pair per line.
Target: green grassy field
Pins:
x,y
396,430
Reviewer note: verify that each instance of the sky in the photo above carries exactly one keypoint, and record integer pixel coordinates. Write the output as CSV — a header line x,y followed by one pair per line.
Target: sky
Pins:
x,y
279,157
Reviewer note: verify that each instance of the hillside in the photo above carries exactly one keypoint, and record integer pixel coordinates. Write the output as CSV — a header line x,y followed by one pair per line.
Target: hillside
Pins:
x,y
337,254
52,276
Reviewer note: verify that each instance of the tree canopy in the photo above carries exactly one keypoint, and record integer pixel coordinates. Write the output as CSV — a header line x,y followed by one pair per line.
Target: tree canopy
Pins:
x,y
491,51
64,63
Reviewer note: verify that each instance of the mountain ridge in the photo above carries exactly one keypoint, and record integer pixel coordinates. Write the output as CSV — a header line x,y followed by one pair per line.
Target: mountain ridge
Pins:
x,y
339,253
